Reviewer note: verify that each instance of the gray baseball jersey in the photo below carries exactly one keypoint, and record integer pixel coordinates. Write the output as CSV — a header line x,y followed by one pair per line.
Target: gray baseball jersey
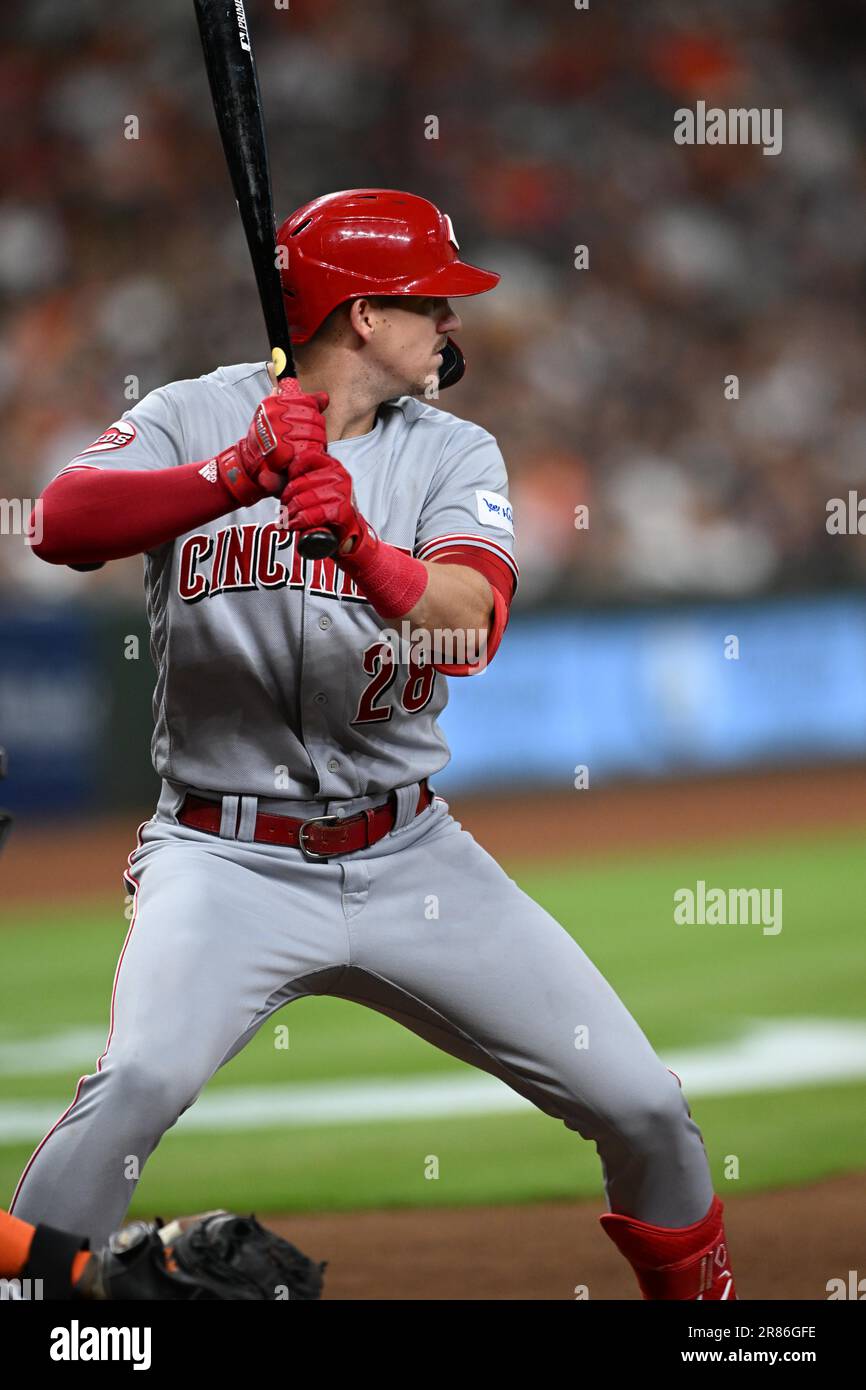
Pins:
x,y
270,673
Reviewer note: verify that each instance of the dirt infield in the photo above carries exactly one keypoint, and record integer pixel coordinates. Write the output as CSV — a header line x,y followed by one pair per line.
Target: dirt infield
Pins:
x,y
784,1245
81,860
647,815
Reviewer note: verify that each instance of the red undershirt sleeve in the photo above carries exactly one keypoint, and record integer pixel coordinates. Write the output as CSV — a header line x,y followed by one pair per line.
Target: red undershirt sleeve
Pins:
x,y
501,581
89,515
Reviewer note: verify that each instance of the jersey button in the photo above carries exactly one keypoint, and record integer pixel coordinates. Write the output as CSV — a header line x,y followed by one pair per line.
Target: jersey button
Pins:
x,y
324,622
321,698
333,765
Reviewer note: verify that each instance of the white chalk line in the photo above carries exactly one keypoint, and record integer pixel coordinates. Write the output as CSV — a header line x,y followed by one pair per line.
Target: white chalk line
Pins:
x,y
769,1055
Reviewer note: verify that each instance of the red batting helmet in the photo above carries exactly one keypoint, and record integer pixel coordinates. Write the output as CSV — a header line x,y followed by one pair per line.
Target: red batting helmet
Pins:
x,y
372,241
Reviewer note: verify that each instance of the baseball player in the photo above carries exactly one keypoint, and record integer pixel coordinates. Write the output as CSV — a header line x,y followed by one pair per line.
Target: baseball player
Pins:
x,y
297,847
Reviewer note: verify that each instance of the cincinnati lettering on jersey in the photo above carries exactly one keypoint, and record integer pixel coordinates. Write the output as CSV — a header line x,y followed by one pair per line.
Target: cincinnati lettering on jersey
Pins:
x,y
245,557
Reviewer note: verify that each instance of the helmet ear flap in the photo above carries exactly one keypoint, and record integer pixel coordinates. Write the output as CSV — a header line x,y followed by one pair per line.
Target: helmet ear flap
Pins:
x,y
453,364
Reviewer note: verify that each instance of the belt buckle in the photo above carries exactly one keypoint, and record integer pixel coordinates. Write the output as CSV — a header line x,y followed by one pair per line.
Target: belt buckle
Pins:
x,y
318,820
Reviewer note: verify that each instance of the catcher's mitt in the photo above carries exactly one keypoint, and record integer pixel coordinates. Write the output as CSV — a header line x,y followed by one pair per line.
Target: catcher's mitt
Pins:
x,y
220,1256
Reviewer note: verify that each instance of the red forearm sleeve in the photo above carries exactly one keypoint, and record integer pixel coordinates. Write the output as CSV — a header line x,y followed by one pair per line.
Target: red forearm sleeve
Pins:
x,y
90,515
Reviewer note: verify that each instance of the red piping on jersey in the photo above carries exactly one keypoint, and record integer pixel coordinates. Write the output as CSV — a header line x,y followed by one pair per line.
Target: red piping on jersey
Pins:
x,y
471,538
495,572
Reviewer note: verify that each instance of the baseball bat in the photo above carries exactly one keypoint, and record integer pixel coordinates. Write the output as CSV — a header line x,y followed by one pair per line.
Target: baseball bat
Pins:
x,y
234,85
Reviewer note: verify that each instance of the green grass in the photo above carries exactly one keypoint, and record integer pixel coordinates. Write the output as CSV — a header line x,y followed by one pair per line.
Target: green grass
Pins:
x,y
687,986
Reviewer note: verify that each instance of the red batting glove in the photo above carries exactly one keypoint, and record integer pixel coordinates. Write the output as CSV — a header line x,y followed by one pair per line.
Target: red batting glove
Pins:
x,y
319,494
285,424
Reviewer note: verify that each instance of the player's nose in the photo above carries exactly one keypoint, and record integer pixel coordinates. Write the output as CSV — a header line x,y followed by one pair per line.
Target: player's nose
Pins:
x,y
448,321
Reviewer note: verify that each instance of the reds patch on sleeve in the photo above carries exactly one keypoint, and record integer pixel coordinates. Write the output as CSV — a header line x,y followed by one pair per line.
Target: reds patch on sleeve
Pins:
x,y
117,436
494,510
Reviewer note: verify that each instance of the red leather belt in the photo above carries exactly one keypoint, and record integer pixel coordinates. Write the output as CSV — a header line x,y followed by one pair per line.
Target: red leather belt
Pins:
x,y
321,837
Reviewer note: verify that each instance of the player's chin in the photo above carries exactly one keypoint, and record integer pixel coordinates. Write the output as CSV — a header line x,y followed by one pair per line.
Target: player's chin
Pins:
x,y
425,390
427,384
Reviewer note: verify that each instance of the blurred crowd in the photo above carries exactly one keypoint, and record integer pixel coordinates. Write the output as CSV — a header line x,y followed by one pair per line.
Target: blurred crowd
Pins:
x,y
697,386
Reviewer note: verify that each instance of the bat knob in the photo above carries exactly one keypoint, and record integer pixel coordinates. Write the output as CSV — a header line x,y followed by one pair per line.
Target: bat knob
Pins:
x,y
317,545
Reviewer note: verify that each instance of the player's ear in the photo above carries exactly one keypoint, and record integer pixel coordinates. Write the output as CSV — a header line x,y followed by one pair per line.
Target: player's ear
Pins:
x,y
362,315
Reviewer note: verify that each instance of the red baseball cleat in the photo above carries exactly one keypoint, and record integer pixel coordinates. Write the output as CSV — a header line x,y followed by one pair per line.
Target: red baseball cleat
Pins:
x,y
684,1262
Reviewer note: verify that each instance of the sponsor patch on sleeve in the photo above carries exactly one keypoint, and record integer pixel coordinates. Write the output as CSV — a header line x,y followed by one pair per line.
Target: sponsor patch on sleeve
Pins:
x,y
494,510
117,436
